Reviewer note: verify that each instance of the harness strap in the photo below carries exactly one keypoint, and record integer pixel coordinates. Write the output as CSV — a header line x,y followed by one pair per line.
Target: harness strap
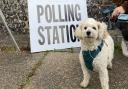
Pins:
x,y
90,55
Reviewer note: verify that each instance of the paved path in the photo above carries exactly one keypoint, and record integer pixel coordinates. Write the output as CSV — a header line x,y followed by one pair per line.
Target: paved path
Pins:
x,y
15,68
56,70
62,71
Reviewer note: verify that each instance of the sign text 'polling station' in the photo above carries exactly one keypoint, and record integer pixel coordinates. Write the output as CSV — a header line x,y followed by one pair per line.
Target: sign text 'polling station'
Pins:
x,y
52,23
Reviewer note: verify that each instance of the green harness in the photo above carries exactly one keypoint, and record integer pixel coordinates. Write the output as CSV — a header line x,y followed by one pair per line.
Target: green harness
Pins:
x,y
90,55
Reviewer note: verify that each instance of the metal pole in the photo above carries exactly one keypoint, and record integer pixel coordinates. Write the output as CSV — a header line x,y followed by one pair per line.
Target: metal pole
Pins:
x,y
3,18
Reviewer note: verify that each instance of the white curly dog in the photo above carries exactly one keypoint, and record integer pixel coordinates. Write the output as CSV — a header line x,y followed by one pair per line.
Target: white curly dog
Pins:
x,y
97,48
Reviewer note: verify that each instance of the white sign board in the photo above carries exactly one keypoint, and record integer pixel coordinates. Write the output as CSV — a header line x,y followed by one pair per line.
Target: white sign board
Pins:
x,y
52,23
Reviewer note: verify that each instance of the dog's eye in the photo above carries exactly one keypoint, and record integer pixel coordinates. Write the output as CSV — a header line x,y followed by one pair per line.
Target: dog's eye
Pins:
x,y
85,28
94,28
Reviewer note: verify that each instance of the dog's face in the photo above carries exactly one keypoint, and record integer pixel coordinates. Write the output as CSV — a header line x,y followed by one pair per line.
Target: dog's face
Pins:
x,y
91,29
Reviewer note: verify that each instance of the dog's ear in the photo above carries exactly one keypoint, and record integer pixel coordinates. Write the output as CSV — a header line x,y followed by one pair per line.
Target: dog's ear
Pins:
x,y
78,31
102,27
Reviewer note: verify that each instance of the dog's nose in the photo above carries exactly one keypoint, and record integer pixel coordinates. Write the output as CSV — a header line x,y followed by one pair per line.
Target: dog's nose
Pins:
x,y
88,33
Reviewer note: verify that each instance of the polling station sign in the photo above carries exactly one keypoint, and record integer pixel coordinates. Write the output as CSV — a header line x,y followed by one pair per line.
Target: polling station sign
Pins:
x,y
52,23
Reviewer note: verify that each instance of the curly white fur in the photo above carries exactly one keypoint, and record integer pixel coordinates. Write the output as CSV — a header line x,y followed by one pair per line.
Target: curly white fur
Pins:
x,y
91,33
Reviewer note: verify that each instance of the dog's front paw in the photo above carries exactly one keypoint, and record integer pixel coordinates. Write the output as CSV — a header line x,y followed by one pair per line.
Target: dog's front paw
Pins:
x,y
110,66
83,84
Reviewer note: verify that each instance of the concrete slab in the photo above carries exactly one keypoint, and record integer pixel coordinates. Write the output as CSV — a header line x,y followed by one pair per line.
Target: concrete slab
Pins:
x,y
61,70
57,72
15,68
